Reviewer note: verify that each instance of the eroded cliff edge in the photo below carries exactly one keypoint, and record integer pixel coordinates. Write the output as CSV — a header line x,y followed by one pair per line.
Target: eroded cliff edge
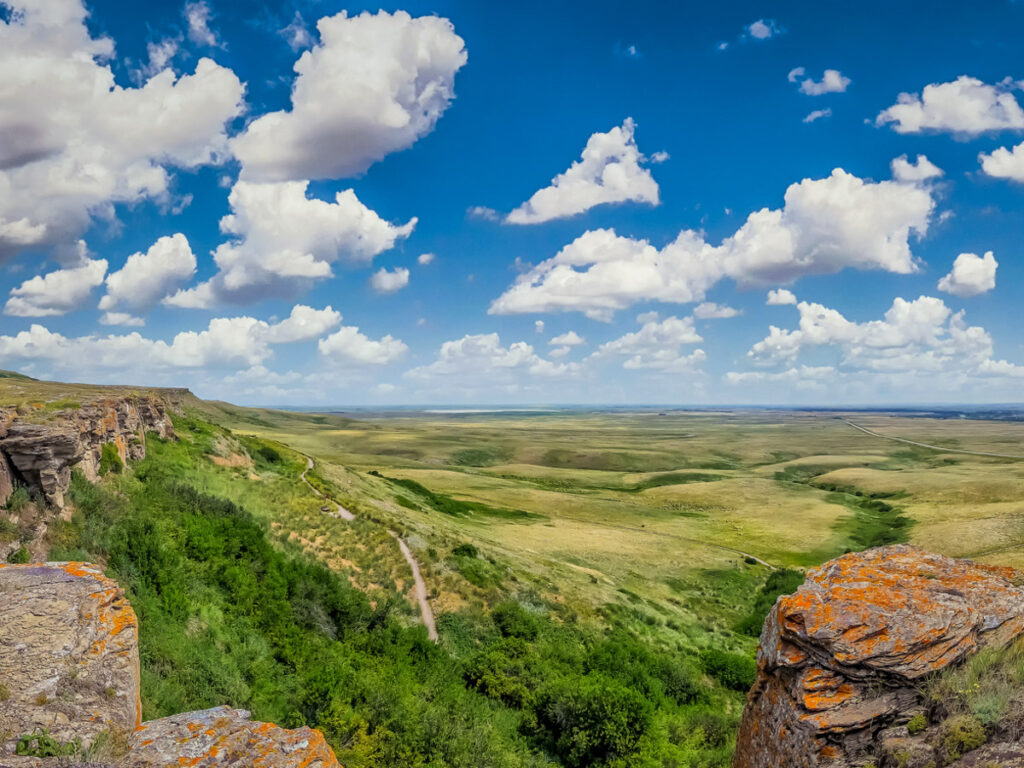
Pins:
x,y
69,684
882,658
41,442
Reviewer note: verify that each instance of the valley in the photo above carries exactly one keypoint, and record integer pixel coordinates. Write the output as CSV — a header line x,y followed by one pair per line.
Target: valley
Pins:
x,y
568,558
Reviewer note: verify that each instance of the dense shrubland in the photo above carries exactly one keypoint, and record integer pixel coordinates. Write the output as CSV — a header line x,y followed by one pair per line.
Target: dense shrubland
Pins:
x,y
232,614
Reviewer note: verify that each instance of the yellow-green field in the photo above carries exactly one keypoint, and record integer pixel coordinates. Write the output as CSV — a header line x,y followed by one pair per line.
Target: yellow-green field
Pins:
x,y
664,514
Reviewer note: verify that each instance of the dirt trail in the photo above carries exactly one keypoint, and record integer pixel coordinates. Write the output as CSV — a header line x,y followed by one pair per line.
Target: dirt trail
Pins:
x,y
421,588
867,431
426,612
343,513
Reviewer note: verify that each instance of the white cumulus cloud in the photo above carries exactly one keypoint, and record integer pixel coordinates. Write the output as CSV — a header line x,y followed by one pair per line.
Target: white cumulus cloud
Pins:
x,y
57,292
709,310
226,343
657,346
818,114
284,240
763,29
825,226
73,143
374,84
349,345
780,297
1004,163
966,106
609,171
425,258
832,81
148,277
384,281
971,275
920,170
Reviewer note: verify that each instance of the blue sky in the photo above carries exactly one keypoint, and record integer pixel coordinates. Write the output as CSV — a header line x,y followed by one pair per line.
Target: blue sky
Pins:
x,y
227,196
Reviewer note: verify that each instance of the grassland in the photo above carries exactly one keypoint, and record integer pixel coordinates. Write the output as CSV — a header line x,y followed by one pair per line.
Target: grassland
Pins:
x,y
673,530
656,514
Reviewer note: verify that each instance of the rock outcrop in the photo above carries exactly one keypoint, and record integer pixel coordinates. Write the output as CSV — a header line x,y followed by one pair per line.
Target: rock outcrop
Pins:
x,y
223,736
41,449
69,672
843,657
69,655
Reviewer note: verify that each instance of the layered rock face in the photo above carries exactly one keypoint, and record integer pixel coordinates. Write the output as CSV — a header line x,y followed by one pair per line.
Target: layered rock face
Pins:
x,y
42,453
842,658
69,671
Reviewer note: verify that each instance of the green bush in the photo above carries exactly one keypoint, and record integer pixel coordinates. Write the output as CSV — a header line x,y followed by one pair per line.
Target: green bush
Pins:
x,y
18,499
8,531
917,723
19,556
733,670
512,620
42,744
959,735
110,459
465,550
592,720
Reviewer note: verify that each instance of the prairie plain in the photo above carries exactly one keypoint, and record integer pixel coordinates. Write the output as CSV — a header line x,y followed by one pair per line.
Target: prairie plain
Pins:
x,y
672,517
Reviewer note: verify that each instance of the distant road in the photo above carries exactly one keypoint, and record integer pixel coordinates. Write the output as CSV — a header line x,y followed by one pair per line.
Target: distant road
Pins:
x,y
867,431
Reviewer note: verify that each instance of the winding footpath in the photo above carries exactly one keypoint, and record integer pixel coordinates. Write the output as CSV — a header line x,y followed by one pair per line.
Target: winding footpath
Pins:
x,y
343,513
420,586
867,431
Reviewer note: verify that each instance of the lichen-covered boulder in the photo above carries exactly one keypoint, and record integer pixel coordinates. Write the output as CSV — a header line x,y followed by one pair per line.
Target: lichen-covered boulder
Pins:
x,y
69,659
841,658
223,736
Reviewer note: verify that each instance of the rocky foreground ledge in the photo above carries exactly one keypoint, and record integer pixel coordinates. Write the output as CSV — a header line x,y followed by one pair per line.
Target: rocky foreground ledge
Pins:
x,y
69,681
844,661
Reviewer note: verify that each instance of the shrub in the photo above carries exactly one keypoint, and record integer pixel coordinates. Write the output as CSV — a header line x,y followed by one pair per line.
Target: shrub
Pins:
x,y
42,744
917,723
592,720
733,670
18,499
8,531
268,454
110,459
19,556
512,620
466,550
959,735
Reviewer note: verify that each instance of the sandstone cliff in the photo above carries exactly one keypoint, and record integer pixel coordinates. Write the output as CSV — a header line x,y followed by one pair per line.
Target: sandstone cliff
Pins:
x,y
844,664
69,683
40,446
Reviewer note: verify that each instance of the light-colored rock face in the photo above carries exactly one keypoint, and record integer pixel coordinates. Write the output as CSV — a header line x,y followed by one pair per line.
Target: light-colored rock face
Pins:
x,y
841,658
223,736
43,452
69,665
68,655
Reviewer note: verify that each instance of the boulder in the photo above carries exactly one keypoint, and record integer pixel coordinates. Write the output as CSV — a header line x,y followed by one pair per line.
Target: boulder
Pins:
x,y
44,454
69,671
223,736
69,658
841,658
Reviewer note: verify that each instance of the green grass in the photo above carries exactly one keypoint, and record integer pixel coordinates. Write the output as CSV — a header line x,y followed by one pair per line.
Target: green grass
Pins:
x,y
232,613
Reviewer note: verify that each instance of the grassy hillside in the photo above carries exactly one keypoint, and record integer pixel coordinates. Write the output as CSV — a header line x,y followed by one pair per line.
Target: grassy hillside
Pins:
x,y
599,579
214,538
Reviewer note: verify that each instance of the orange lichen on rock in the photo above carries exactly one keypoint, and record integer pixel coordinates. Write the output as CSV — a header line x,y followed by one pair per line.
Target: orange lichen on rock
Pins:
x,y
221,736
69,639
841,658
